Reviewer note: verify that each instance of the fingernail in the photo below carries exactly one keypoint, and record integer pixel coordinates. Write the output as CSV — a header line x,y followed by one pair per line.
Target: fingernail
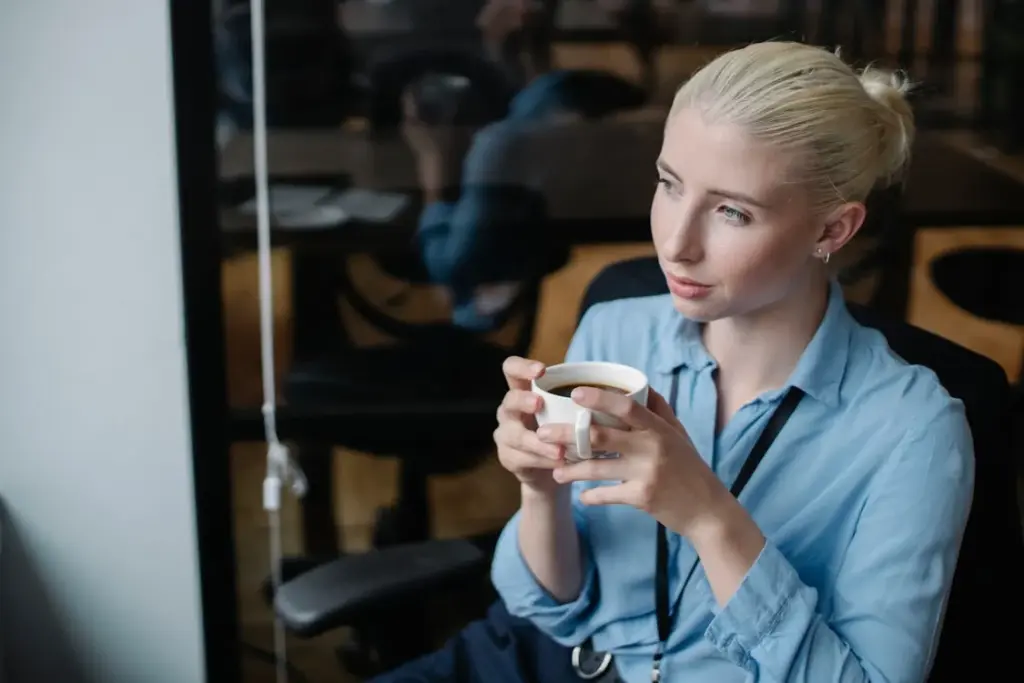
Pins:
x,y
544,434
558,473
579,394
538,369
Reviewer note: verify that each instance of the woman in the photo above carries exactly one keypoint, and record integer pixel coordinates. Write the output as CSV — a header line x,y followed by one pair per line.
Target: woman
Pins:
x,y
836,562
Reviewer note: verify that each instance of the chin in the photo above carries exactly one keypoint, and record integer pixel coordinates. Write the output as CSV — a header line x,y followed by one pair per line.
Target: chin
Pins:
x,y
702,310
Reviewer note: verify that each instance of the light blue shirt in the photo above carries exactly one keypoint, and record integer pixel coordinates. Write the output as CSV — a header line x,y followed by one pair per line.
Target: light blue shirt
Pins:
x,y
863,500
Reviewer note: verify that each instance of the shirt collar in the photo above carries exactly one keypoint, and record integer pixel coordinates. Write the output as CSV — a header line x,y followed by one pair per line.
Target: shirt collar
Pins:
x,y
821,367
680,344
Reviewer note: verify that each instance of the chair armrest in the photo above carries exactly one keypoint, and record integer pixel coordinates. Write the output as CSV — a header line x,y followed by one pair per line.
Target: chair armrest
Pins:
x,y
335,593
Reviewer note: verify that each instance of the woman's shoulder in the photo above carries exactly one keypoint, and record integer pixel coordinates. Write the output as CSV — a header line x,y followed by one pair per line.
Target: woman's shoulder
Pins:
x,y
876,372
904,405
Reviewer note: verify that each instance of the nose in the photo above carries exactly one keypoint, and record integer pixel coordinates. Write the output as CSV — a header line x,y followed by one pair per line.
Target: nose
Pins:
x,y
684,239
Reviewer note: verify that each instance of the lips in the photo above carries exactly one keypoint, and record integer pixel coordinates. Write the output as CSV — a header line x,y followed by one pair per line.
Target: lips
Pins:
x,y
687,281
685,288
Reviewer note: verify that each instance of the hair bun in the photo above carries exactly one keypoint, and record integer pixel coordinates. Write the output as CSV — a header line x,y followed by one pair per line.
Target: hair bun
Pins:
x,y
895,119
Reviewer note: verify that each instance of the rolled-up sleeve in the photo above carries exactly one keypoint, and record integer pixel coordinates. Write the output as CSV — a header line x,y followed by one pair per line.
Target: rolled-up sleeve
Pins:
x,y
565,622
886,612
569,623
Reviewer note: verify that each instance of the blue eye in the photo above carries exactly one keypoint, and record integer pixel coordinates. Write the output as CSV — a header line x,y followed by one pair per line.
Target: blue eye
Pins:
x,y
668,185
735,215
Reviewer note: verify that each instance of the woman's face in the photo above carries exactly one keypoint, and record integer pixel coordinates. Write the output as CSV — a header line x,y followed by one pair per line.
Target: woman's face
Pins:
x,y
732,236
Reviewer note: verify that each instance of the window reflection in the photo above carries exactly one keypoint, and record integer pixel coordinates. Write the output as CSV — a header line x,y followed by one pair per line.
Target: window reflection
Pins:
x,y
447,177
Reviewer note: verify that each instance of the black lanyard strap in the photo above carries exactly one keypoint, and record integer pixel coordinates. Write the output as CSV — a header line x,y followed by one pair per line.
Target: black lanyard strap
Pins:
x,y
662,607
661,597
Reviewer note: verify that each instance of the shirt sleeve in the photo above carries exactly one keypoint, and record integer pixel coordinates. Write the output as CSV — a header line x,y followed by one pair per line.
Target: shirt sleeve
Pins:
x,y
891,591
448,231
489,233
569,623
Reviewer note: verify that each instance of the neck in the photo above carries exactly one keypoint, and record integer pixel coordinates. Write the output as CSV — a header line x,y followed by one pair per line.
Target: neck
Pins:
x,y
758,352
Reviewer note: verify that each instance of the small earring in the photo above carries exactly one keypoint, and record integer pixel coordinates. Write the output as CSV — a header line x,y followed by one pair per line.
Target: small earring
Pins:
x,y
823,255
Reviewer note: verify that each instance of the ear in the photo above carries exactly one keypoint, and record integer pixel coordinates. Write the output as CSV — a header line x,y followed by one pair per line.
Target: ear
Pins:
x,y
840,227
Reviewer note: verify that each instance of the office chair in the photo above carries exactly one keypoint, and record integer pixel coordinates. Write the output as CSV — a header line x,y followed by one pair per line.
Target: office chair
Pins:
x,y
427,400
988,282
988,572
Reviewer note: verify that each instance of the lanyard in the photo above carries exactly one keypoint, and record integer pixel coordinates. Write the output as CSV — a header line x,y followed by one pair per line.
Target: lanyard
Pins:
x,y
661,599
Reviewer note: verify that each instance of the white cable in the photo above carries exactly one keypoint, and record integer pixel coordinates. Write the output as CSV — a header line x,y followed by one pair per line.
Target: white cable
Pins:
x,y
263,220
280,469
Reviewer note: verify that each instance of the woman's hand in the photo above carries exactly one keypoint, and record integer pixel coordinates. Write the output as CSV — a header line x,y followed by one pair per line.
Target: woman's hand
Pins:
x,y
658,469
520,451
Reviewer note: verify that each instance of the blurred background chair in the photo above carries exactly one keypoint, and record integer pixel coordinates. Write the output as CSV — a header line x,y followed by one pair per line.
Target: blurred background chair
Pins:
x,y
989,284
989,570
425,397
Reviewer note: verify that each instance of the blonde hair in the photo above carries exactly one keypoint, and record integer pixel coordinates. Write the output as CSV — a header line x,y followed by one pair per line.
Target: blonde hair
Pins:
x,y
849,132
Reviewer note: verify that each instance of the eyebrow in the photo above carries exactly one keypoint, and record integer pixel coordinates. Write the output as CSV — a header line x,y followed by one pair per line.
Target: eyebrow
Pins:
x,y
736,196
665,168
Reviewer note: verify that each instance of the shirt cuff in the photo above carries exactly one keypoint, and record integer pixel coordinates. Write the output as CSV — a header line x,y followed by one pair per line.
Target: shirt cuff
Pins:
x,y
525,597
769,595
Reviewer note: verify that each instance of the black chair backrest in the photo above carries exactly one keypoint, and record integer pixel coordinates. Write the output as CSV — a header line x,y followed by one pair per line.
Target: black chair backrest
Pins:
x,y
990,570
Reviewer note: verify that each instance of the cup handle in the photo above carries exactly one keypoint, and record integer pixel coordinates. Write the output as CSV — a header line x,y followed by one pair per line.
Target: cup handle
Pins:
x,y
583,420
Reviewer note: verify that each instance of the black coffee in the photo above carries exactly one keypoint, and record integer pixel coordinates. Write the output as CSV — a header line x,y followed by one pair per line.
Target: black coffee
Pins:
x,y
566,389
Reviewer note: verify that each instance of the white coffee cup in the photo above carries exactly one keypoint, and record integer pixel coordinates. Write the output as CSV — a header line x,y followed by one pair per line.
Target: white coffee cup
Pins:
x,y
559,408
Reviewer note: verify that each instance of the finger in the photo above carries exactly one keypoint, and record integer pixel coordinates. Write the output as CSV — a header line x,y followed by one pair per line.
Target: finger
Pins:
x,y
616,405
517,417
557,433
520,401
519,372
595,469
514,436
522,460
602,438
530,443
657,404
617,494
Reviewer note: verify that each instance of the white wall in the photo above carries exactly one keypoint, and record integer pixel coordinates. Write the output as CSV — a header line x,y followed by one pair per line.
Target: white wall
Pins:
x,y
99,573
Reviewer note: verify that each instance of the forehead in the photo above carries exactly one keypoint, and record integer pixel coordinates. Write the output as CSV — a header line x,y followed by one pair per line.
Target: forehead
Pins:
x,y
722,156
